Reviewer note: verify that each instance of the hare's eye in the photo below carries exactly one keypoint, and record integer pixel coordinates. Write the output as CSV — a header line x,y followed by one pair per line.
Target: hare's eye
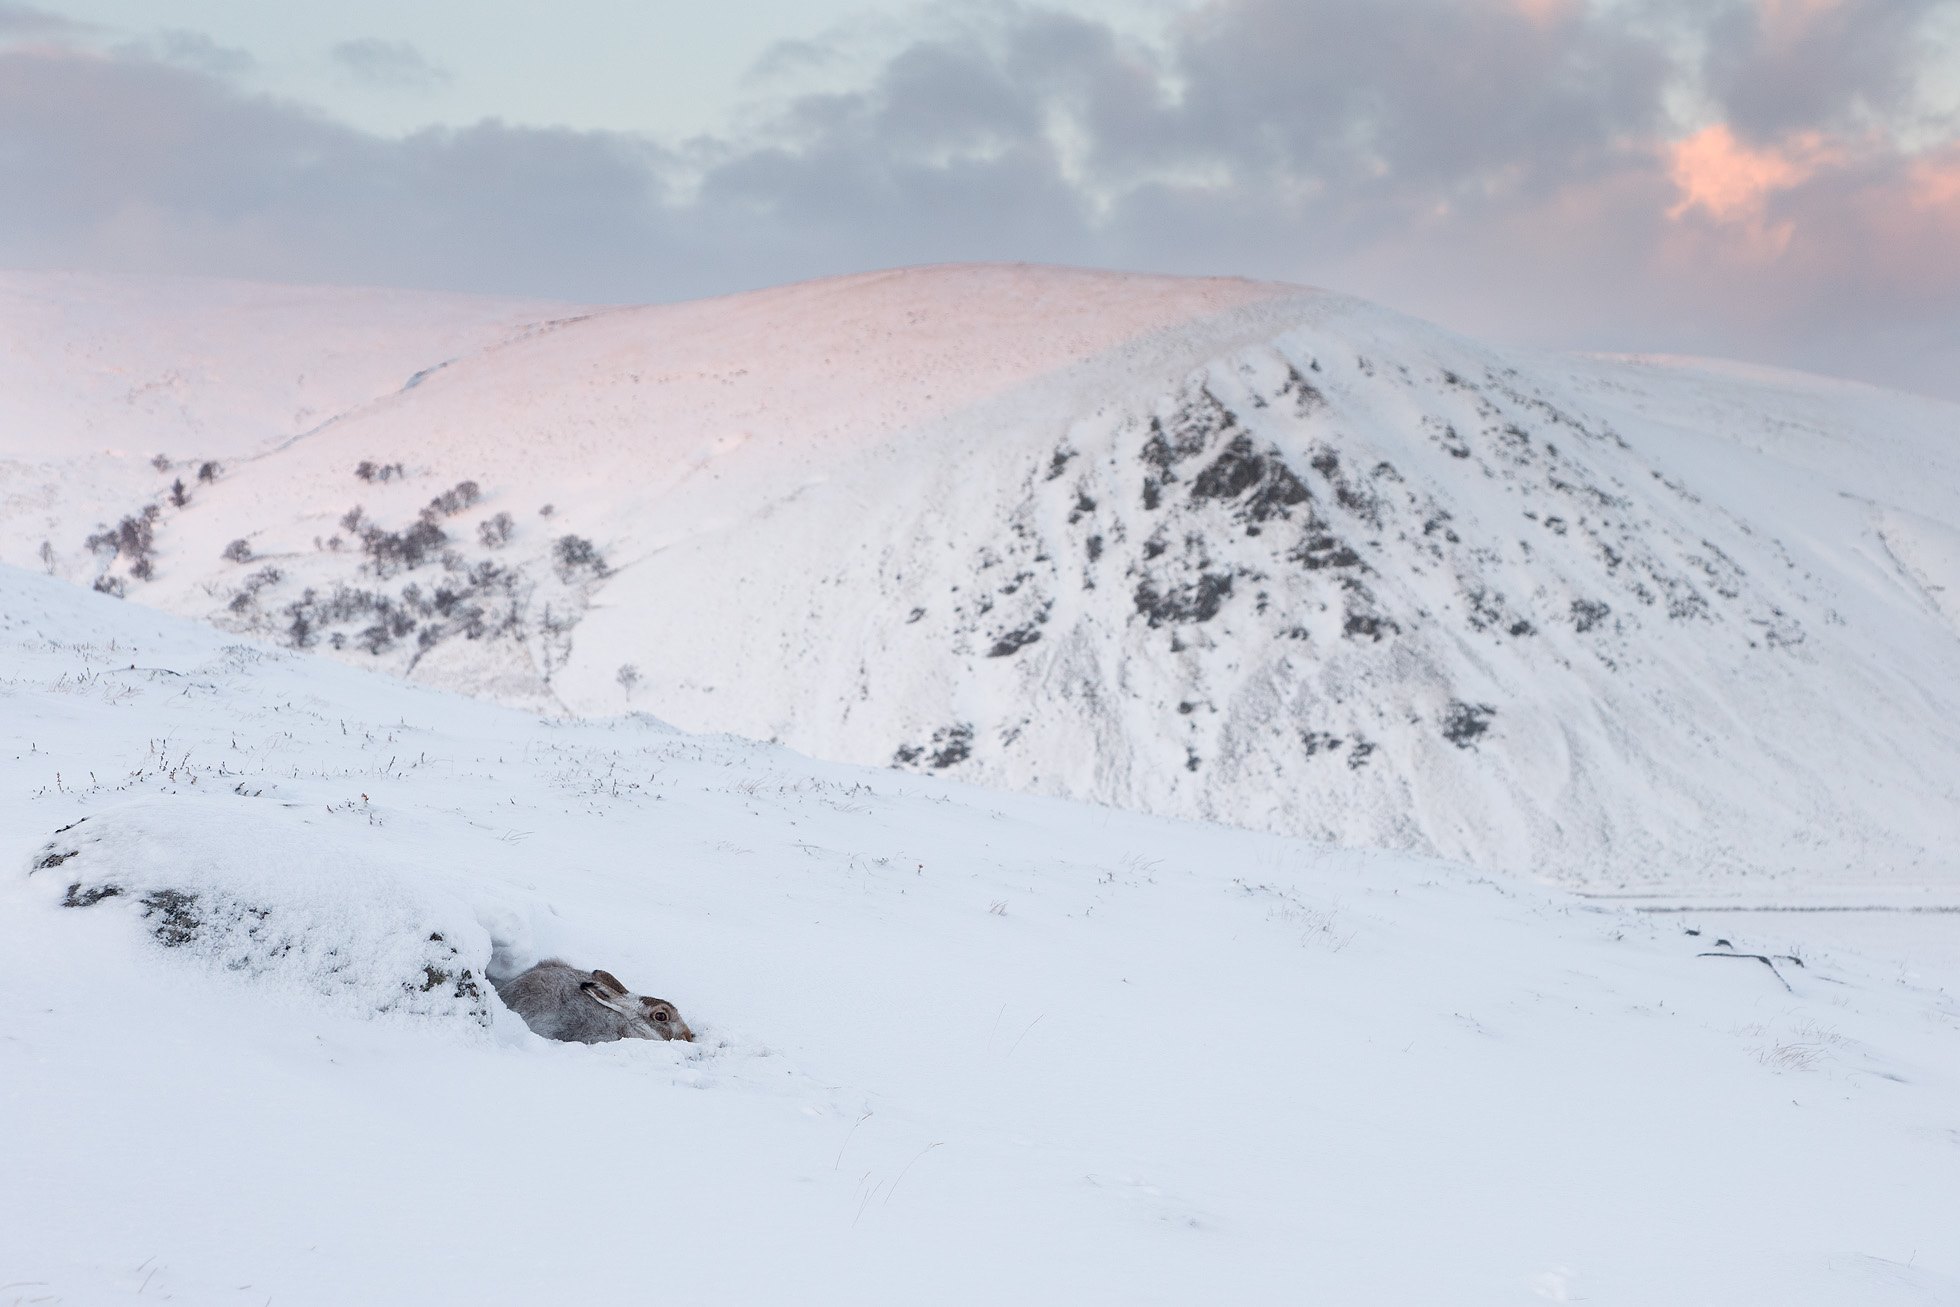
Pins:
x,y
662,1014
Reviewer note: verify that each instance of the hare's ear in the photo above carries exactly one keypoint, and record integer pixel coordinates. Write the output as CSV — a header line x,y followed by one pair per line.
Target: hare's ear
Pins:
x,y
604,998
610,981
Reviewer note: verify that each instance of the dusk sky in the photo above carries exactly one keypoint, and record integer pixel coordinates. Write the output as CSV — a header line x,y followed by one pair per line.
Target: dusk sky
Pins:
x,y
1771,180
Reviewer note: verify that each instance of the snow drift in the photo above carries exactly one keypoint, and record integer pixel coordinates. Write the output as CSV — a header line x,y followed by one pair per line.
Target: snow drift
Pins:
x,y
248,887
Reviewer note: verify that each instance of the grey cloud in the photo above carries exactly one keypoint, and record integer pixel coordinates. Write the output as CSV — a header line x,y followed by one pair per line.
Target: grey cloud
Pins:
x,y
1440,91
171,170
18,21
390,65
1498,173
795,57
193,50
1794,67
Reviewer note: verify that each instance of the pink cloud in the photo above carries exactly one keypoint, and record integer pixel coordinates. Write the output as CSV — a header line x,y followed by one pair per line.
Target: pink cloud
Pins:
x,y
1787,20
1545,13
1731,181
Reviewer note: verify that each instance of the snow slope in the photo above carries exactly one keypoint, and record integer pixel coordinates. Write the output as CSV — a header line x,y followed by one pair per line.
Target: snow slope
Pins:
x,y
203,368
1214,549
957,1047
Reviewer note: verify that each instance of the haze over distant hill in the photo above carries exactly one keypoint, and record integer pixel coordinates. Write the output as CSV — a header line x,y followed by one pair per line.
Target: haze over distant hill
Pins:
x,y
1217,549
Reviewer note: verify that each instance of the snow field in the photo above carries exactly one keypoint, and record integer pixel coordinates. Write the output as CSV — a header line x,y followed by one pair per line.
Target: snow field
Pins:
x,y
957,1046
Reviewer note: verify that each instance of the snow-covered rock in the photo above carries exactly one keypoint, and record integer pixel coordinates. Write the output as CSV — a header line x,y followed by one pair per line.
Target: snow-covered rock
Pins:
x,y
252,887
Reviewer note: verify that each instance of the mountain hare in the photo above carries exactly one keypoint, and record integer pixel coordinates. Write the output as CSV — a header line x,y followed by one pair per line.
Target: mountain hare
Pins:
x,y
559,1001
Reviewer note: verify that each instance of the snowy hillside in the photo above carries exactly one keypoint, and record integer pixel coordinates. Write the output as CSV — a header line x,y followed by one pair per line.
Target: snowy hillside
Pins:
x,y
1210,549
197,367
956,1046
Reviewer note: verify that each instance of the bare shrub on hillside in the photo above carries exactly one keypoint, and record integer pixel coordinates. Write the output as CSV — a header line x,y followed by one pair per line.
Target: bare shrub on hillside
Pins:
x,y
392,552
403,551
576,554
476,601
454,500
495,532
133,539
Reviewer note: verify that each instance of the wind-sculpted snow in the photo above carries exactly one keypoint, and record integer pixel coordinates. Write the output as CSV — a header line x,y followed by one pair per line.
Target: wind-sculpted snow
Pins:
x,y
1252,554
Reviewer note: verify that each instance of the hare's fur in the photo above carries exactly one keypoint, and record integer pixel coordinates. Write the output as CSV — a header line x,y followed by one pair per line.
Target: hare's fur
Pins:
x,y
559,1001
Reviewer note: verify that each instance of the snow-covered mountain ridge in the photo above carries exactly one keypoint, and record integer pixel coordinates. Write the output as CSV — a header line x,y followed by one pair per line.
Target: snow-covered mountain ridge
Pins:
x,y
1214,549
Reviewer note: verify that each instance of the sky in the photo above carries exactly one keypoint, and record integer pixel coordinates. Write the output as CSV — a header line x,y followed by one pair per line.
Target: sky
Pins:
x,y
1776,181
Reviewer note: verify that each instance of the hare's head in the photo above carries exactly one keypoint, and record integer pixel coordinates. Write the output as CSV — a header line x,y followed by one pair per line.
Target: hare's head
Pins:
x,y
645,1018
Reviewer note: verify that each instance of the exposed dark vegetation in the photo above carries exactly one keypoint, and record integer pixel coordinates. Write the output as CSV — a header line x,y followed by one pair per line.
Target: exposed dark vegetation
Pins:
x,y
392,552
444,971
495,532
575,555
1372,625
462,495
1014,641
176,919
133,538
398,606
131,541
1194,601
1588,613
474,601
1464,722
949,746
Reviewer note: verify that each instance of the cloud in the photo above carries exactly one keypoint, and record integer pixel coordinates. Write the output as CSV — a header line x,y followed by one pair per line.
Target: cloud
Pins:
x,y
388,65
194,50
139,165
1779,66
1730,181
1732,184
18,21
1522,168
